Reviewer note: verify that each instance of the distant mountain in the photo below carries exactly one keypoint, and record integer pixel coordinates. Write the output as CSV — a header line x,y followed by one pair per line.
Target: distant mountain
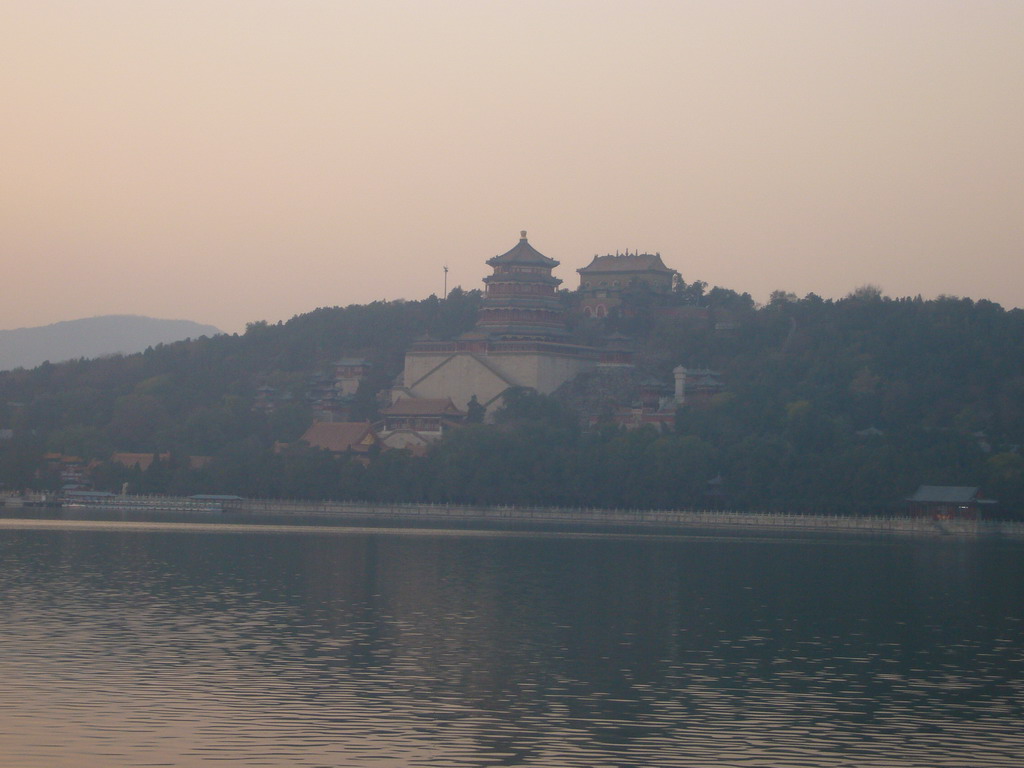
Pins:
x,y
92,337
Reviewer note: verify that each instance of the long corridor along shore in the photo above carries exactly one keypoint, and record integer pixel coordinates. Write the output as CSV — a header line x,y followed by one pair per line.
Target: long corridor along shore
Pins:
x,y
638,521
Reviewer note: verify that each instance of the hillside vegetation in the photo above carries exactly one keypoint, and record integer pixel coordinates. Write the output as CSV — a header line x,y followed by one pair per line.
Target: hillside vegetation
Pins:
x,y
829,406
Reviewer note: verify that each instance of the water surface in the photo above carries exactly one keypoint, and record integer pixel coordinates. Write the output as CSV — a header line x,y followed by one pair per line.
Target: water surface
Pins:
x,y
135,647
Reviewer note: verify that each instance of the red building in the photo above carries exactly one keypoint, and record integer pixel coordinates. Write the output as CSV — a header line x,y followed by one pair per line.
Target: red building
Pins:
x,y
520,300
341,437
948,502
604,280
520,340
417,422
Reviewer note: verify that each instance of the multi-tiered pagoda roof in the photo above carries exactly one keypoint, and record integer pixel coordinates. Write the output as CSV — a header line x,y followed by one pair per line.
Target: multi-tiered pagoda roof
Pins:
x,y
520,301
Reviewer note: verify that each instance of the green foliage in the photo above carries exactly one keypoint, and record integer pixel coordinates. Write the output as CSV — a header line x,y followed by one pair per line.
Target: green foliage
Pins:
x,y
524,405
831,405
475,411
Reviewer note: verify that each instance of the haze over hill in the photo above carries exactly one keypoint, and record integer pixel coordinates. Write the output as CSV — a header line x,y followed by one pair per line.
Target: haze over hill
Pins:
x,y
92,337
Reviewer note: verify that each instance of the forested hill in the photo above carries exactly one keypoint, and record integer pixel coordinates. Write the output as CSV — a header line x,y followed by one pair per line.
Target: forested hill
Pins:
x,y
843,405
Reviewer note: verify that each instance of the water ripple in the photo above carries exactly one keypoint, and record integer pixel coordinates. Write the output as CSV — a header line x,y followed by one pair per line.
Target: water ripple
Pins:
x,y
179,648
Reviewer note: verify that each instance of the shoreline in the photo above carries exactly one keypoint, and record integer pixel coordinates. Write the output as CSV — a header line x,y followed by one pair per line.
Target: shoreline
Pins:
x,y
230,511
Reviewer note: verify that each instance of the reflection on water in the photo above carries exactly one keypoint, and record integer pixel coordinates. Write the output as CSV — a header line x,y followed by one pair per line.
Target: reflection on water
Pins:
x,y
126,648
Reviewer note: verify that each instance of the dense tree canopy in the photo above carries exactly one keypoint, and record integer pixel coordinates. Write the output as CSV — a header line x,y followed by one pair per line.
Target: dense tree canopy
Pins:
x,y
829,405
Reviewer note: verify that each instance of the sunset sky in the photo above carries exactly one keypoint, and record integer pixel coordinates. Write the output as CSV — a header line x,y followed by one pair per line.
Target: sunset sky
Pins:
x,y
231,161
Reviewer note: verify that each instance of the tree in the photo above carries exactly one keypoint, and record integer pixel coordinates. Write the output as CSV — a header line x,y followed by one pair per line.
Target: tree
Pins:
x,y
475,412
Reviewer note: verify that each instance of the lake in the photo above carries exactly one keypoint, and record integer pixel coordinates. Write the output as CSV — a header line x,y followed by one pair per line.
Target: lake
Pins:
x,y
128,646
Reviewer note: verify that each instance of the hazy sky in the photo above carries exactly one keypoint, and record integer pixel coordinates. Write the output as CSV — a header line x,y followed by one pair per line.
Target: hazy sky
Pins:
x,y
235,161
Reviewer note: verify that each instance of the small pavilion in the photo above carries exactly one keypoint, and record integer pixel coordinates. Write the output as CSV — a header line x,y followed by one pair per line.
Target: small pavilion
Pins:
x,y
948,502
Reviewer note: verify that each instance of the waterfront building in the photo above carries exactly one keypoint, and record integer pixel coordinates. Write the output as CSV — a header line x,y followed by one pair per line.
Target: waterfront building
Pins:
x,y
946,502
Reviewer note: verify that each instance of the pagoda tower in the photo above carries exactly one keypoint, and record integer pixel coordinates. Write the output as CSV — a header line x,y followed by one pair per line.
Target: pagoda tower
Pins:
x,y
520,300
520,340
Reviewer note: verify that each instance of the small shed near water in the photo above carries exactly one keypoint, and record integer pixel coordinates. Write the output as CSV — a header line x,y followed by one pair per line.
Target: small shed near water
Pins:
x,y
946,502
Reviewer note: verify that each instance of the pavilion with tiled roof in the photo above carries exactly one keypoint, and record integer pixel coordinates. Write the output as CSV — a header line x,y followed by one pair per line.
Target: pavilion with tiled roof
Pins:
x,y
411,422
949,501
340,436
520,339
520,300
604,279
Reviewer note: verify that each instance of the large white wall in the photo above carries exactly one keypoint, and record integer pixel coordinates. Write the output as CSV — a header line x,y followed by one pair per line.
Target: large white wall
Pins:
x,y
462,375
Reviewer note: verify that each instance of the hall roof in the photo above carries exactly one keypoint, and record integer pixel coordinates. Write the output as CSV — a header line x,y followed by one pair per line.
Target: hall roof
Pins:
x,y
422,406
340,436
140,460
629,262
523,253
947,494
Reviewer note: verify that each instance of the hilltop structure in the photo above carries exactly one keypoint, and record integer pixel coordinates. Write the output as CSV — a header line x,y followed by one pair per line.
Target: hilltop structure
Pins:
x,y
604,280
520,340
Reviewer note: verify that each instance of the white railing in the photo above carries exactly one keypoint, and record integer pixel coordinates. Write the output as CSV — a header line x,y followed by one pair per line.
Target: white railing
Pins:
x,y
538,516
633,518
